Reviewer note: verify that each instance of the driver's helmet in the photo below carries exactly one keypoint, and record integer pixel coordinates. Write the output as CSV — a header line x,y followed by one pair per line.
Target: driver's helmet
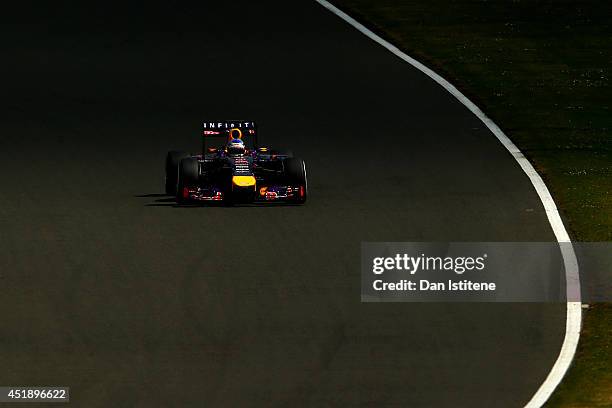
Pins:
x,y
235,146
235,133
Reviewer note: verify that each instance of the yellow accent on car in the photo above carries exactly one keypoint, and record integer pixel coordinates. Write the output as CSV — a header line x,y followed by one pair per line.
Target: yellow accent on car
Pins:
x,y
243,181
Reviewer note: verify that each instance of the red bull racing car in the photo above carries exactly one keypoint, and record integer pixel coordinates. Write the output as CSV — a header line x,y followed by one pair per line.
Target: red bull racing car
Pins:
x,y
234,168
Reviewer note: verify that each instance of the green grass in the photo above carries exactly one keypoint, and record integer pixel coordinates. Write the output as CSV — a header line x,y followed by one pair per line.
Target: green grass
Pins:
x,y
541,70
590,381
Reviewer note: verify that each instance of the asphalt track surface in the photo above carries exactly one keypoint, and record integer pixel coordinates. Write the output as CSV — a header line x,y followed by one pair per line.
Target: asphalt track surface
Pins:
x,y
110,289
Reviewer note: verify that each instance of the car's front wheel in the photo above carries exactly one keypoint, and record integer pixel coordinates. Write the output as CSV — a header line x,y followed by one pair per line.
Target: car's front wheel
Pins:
x,y
173,159
295,171
188,175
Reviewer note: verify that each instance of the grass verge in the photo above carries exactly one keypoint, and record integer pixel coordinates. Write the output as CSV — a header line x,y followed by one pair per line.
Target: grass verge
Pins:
x,y
541,70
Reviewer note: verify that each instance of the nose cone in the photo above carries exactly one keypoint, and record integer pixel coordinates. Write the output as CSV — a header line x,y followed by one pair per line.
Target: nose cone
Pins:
x,y
243,182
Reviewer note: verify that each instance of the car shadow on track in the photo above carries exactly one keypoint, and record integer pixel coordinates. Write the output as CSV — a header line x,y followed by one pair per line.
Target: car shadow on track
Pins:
x,y
151,195
165,200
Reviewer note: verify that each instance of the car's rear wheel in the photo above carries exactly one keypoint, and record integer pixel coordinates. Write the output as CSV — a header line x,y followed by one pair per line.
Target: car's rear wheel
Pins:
x,y
295,171
188,175
173,159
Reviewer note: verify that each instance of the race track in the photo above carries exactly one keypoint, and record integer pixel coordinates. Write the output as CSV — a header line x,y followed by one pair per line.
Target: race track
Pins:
x,y
110,289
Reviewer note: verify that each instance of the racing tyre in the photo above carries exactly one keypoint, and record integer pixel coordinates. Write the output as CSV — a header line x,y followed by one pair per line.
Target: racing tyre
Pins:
x,y
188,174
173,159
295,171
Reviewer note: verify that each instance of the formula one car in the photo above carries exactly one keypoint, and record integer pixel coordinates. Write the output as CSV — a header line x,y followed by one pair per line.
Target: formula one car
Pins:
x,y
234,168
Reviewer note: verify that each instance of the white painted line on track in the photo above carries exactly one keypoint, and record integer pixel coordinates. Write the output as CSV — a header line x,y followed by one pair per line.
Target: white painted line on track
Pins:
x,y
573,320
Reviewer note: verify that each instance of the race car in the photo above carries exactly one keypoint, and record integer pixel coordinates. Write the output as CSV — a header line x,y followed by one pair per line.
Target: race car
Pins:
x,y
233,168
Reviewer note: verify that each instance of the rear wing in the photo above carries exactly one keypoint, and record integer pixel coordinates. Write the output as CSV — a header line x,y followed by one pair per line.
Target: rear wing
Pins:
x,y
221,130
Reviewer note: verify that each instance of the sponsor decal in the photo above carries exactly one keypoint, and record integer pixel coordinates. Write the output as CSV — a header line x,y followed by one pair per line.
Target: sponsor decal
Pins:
x,y
226,125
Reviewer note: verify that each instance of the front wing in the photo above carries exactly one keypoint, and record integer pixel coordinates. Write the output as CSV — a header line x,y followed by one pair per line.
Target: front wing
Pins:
x,y
263,193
